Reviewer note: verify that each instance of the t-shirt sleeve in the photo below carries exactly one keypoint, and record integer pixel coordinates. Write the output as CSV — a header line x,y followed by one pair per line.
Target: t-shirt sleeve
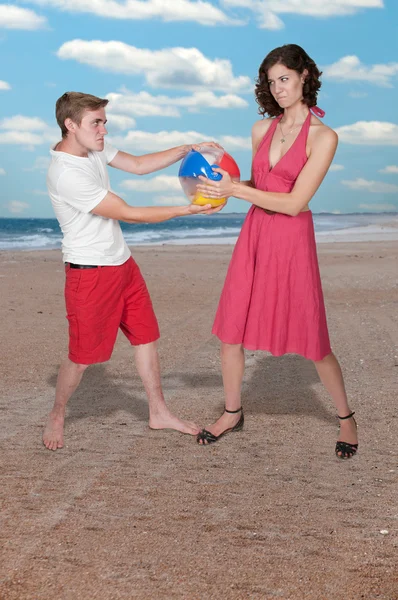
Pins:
x,y
110,152
80,190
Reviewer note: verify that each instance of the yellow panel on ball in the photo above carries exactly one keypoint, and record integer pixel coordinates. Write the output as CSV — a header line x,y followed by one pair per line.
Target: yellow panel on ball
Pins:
x,y
202,201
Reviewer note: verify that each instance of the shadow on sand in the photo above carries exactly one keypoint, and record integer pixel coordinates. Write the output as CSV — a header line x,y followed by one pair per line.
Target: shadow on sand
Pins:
x,y
273,386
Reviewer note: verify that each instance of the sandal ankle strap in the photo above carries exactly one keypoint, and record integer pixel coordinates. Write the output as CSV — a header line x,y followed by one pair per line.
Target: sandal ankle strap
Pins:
x,y
232,412
347,417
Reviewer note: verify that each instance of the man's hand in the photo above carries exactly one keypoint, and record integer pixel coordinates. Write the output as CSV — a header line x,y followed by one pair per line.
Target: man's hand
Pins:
x,y
202,146
207,209
216,209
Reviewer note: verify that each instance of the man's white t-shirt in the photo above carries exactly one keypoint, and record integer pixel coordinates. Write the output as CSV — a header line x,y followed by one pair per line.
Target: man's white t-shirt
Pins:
x,y
76,185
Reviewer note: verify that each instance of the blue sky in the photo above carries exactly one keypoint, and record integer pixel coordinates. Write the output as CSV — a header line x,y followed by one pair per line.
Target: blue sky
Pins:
x,y
180,71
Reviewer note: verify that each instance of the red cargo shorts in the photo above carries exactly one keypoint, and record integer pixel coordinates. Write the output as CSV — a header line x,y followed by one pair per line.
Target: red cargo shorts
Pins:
x,y
98,302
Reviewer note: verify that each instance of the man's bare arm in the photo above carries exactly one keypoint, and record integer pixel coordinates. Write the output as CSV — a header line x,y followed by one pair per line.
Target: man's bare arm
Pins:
x,y
114,207
149,163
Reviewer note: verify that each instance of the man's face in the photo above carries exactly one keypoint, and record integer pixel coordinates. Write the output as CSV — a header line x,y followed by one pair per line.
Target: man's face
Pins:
x,y
91,131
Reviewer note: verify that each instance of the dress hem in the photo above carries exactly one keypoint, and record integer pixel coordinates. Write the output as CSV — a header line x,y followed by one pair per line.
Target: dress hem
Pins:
x,y
275,353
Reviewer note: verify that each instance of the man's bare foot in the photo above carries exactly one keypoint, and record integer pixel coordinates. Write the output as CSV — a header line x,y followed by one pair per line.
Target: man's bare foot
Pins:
x,y
166,420
226,421
53,434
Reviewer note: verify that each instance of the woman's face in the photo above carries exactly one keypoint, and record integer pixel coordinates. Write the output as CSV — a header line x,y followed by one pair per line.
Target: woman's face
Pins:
x,y
285,85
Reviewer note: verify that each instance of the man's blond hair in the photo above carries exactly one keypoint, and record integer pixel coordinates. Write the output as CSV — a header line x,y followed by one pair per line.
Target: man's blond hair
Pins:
x,y
72,105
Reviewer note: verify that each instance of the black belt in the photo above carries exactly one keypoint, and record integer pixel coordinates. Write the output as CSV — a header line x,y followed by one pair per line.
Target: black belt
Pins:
x,y
74,266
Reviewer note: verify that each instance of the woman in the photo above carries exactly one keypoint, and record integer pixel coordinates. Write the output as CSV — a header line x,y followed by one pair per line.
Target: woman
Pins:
x,y
272,297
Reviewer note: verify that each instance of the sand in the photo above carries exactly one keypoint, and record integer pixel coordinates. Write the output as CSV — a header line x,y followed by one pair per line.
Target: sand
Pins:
x,y
124,512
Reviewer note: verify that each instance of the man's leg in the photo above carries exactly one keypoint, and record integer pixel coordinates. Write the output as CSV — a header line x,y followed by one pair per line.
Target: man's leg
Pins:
x,y
69,377
147,361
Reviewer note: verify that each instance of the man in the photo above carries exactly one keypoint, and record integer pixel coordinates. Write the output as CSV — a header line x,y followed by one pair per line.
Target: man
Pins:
x,y
104,288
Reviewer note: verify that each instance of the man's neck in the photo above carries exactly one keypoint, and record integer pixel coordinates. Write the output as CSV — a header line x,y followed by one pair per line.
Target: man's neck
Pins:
x,y
69,146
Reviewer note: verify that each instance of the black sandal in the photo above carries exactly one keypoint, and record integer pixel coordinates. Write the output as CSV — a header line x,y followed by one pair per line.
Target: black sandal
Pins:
x,y
346,450
206,437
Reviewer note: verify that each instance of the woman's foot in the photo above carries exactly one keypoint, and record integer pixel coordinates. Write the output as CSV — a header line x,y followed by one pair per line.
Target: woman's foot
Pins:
x,y
228,422
347,443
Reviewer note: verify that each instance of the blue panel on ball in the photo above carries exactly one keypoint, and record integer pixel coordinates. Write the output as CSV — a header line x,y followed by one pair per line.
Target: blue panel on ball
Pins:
x,y
194,164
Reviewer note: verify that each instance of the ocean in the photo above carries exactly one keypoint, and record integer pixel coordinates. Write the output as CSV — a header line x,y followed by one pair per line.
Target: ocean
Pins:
x,y
39,234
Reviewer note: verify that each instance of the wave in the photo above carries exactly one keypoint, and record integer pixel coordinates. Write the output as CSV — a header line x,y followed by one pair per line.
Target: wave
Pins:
x,y
36,234
30,242
168,235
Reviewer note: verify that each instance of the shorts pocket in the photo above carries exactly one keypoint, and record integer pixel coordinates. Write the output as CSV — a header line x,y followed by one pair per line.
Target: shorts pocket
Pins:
x,y
73,334
72,281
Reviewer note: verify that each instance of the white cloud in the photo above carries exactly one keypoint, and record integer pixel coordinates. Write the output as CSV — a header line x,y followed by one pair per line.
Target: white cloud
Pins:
x,y
377,207
26,131
21,138
144,104
390,169
2,171
234,142
120,122
336,167
374,187
198,11
267,11
4,86
41,164
205,13
144,141
14,17
369,133
183,68
170,200
319,8
160,183
350,68
21,123
16,207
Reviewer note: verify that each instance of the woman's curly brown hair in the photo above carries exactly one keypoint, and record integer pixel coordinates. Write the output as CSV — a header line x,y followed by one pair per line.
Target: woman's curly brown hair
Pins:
x,y
295,58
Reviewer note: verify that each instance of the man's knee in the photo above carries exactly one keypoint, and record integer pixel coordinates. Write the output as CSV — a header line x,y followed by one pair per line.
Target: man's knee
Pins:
x,y
79,368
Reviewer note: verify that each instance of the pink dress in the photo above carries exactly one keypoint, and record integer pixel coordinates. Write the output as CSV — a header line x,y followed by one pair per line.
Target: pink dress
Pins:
x,y
272,297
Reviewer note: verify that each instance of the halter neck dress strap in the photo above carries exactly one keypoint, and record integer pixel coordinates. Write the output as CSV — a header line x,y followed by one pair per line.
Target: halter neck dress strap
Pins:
x,y
318,112
269,133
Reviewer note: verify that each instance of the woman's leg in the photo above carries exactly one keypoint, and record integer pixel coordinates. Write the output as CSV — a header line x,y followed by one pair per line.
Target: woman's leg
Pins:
x,y
233,366
330,374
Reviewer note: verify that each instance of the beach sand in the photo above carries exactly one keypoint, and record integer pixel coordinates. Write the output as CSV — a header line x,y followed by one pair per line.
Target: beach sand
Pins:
x,y
125,512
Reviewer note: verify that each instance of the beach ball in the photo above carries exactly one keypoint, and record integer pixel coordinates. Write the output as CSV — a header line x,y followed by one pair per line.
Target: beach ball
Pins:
x,y
201,163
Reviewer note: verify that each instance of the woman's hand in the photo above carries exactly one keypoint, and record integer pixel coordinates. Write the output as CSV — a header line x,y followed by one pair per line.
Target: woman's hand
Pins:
x,y
216,189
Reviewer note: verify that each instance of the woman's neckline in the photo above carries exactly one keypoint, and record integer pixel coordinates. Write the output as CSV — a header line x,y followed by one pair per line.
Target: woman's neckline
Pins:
x,y
272,134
